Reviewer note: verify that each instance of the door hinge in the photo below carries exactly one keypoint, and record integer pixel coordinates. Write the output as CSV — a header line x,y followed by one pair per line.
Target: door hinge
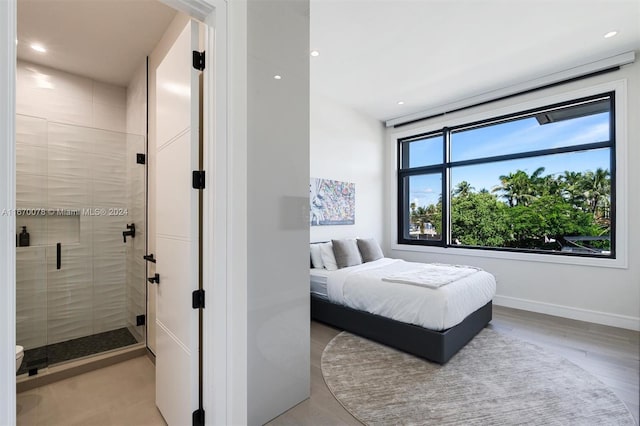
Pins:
x,y
198,179
141,158
198,417
198,60
198,299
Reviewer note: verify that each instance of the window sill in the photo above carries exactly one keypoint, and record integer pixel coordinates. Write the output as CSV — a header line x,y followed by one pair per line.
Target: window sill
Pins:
x,y
620,262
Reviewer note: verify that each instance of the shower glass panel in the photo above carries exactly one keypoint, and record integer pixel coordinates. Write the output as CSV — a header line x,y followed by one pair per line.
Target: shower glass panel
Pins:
x,y
87,281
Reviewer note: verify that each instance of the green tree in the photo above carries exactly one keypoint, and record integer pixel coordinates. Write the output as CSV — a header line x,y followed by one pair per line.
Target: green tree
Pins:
x,y
479,219
597,189
547,218
463,189
519,188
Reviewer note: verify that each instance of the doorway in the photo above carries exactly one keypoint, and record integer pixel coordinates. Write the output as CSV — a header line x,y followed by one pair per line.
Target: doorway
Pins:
x,y
81,187
213,13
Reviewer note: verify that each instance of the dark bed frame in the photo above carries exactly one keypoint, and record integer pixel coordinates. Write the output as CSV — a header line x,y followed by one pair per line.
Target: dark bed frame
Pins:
x,y
438,346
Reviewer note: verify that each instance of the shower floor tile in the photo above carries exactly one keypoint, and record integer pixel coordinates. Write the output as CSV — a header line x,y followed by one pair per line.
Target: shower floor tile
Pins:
x,y
76,348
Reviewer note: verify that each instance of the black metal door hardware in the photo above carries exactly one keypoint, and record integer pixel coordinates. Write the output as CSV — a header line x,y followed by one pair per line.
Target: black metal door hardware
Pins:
x,y
130,232
149,258
197,299
58,255
154,279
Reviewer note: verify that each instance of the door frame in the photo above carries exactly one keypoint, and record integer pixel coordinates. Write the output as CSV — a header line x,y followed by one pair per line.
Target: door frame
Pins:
x,y
224,371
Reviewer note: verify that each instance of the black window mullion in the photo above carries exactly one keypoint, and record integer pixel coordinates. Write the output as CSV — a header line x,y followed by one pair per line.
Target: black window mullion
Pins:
x,y
612,167
530,154
446,193
421,170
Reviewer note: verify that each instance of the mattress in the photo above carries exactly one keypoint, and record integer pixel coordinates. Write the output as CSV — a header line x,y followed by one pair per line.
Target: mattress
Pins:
x,y
361,287
318,279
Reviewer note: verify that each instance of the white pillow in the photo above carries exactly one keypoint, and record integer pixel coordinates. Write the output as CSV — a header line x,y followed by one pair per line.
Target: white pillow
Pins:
x,y
316,257
328,258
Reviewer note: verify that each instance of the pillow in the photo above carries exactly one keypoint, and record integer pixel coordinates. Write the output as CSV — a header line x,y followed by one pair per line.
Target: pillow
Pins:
x,y
369,250
316,258
346,253
328,259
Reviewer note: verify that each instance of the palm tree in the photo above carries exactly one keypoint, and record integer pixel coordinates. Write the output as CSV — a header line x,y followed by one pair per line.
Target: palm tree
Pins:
x,y
596,188
571,183
463,189
520,188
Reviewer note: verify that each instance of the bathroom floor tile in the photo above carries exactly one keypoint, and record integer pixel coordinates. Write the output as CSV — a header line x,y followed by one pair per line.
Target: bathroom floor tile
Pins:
x,y
76,348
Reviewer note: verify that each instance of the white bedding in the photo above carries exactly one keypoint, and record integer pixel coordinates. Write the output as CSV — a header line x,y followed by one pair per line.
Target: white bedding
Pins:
x,y
319,282
361,287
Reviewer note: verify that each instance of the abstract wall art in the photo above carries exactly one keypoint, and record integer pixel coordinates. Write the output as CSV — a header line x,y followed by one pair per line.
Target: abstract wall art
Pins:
x,y
332,202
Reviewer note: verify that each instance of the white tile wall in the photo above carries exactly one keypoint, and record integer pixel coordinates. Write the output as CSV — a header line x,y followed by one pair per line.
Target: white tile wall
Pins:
x,y
72,152
66,98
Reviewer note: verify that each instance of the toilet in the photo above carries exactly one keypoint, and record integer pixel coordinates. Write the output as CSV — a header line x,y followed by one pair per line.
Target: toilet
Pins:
x,y
19,356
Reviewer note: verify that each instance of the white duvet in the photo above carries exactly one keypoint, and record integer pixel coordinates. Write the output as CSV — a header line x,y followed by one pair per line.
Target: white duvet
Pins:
x,y
362,287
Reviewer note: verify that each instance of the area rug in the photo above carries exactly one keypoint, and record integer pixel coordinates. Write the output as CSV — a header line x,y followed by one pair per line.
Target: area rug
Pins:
x,y
494,380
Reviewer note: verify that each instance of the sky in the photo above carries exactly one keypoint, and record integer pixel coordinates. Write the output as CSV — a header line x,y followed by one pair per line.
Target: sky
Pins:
x,y
508,138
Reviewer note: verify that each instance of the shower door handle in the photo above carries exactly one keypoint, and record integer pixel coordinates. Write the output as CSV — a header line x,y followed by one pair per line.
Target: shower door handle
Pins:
x,y
58,255
154,279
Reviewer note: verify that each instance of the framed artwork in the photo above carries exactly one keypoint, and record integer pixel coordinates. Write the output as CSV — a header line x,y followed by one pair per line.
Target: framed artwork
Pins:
x,y
332,202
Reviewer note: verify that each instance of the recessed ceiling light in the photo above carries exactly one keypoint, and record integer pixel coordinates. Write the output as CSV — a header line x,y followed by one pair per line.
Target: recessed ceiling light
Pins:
x,y
610,34
315,53
38,47
277,77
400,102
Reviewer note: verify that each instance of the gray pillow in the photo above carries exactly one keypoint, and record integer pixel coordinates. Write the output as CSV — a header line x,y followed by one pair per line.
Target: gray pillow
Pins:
x,y
370,250
346,253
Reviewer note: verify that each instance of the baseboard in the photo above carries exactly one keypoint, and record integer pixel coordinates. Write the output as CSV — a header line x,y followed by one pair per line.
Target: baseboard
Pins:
x,y
604,318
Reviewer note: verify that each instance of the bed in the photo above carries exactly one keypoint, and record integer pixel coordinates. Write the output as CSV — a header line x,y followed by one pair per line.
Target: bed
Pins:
x,y
375,300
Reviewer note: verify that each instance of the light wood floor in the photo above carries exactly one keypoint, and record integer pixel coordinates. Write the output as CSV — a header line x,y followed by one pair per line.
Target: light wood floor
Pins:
x,y
121,394
610,354
124,394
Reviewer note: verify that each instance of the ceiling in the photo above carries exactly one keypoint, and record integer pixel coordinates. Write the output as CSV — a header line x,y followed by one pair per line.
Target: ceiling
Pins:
x,y
427,53
103,40
373,53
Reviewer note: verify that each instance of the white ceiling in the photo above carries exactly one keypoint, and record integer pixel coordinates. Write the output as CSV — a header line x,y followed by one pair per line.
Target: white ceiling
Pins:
x,y
103,40
374,53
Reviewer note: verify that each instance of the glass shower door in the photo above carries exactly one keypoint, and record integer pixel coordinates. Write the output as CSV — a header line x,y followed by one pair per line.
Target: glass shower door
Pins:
x,y
81,284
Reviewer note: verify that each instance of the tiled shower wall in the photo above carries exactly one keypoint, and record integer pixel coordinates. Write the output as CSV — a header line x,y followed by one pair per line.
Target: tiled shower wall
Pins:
x,y
73,153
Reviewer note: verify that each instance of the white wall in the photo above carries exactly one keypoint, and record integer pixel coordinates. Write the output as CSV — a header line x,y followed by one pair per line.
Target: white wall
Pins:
x,y
7,222
67,98
278,336
347,145
598,294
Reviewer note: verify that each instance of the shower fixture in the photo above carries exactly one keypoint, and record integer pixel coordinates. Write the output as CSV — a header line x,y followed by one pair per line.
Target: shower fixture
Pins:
x,y
130,232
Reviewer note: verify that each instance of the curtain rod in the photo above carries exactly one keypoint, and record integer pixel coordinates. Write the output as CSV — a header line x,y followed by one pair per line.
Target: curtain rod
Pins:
x,y
584,70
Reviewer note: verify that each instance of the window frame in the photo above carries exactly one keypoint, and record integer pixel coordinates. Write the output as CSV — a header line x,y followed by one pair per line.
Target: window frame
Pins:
x,y
505,110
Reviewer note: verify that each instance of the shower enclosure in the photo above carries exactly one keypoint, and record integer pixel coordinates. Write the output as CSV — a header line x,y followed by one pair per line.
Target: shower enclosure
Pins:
x,y
80,283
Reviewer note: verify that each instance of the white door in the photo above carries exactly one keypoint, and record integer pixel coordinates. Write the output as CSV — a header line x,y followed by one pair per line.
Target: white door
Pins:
x,y
177,155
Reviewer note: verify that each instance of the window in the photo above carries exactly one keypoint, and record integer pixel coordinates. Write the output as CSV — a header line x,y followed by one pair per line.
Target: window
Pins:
x,y
537,181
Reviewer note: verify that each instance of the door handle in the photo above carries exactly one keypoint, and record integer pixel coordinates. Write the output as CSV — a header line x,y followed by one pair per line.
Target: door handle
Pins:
x,y
149,258
154,279
58,255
